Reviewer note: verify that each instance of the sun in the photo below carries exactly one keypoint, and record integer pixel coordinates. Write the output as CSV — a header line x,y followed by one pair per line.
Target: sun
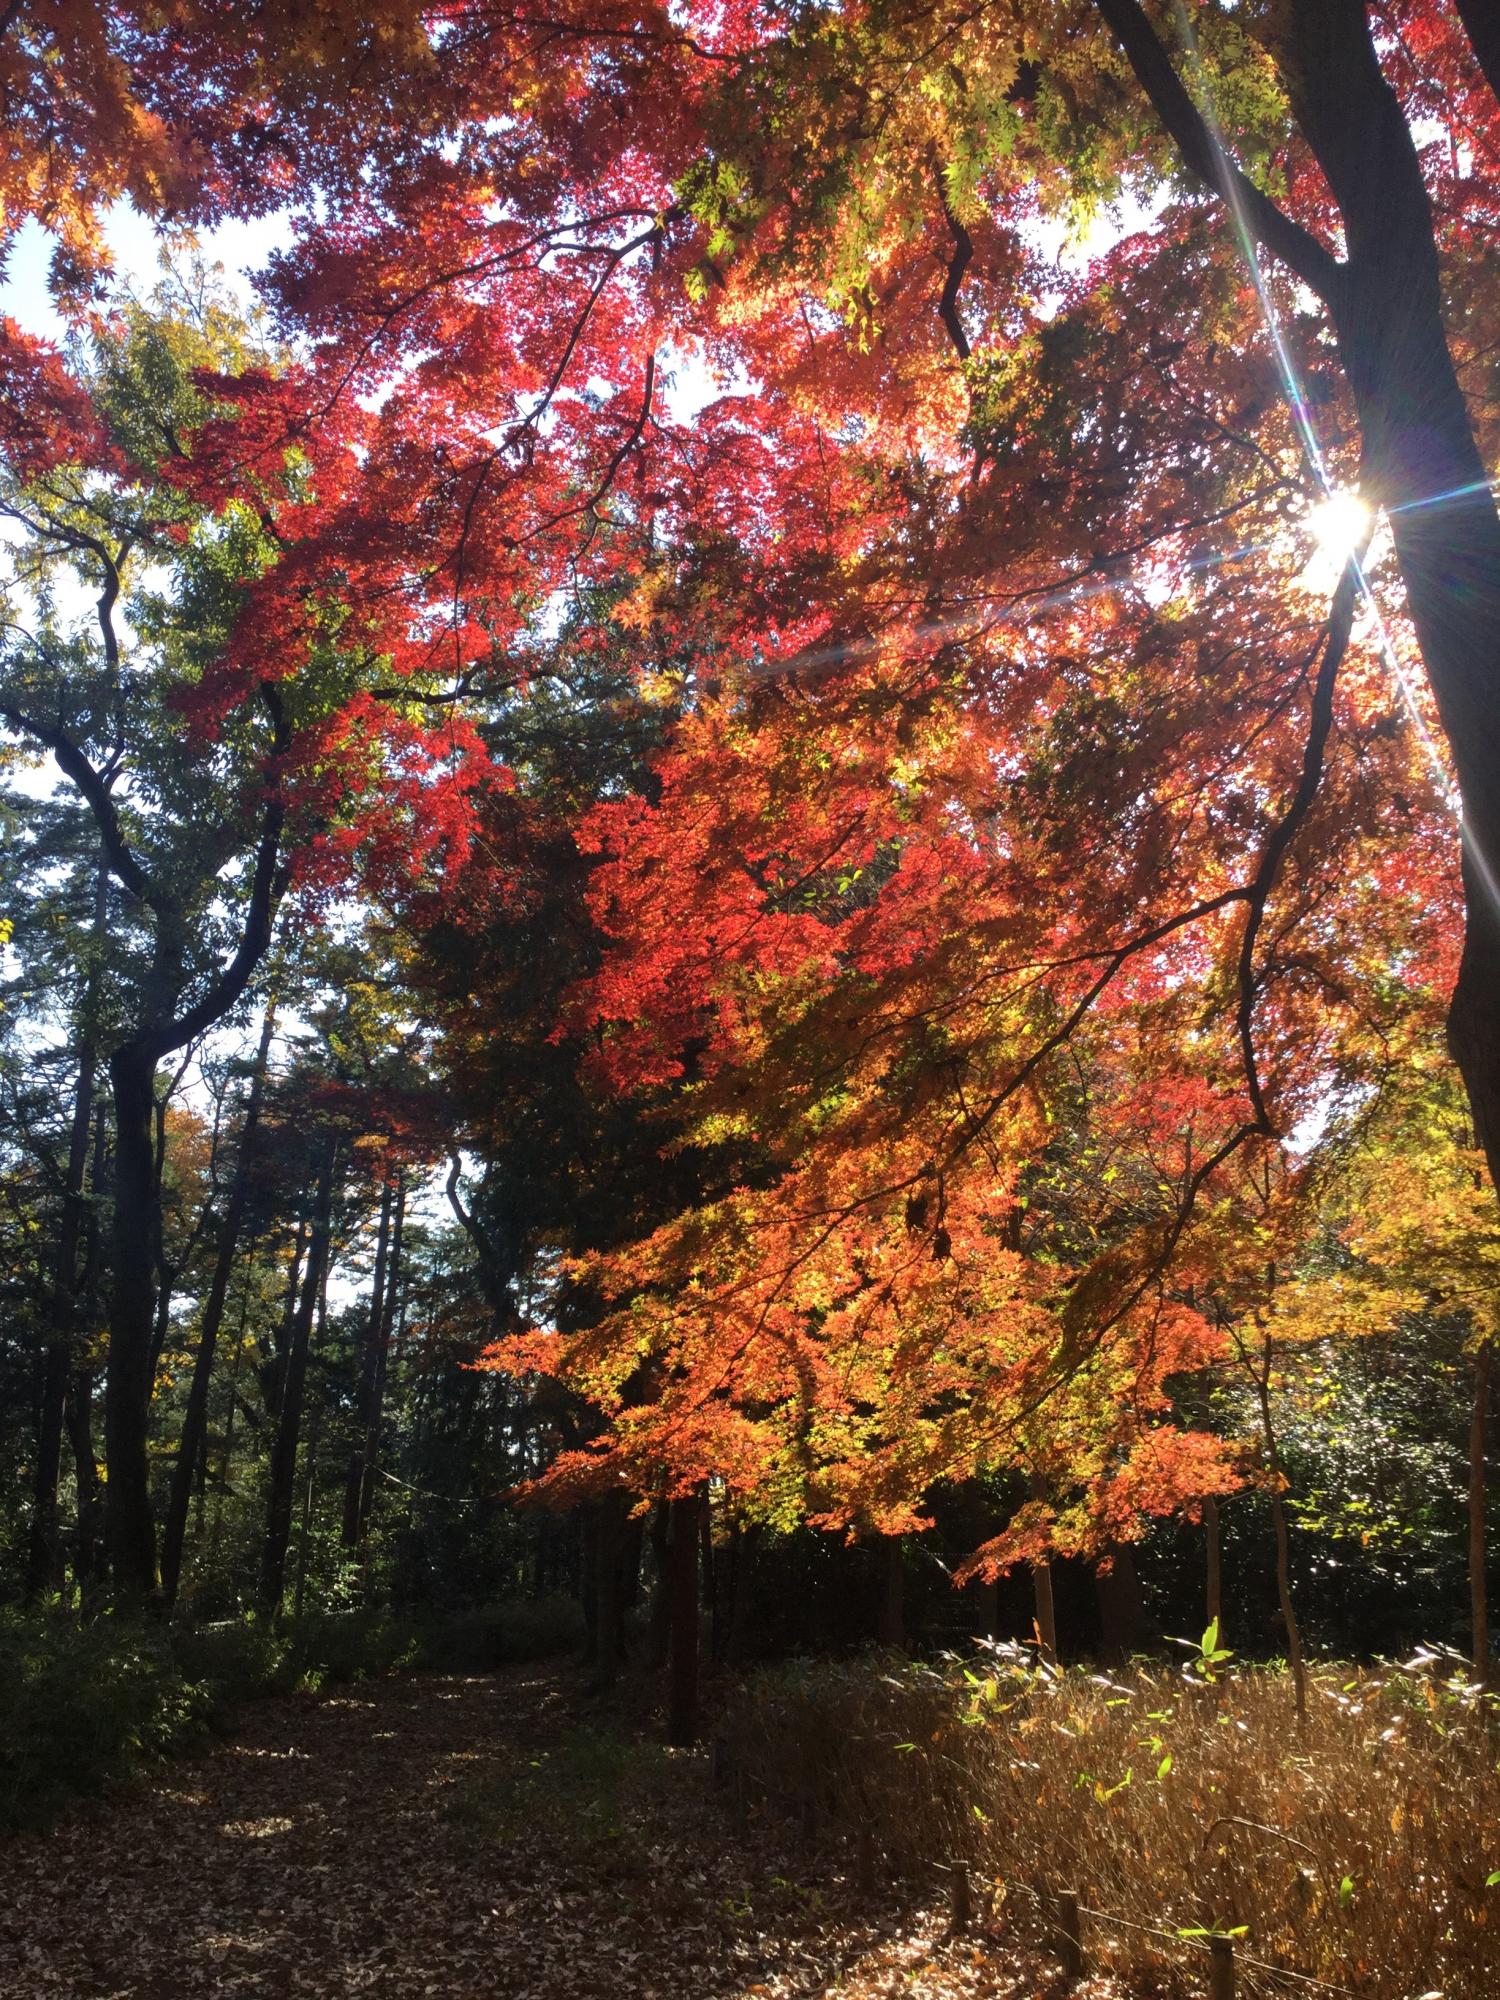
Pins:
x,y
1340,524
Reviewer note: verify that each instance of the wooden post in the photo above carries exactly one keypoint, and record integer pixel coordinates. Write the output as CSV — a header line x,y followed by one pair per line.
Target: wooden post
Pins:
x,y
962,1903
1070,1934
1221,1968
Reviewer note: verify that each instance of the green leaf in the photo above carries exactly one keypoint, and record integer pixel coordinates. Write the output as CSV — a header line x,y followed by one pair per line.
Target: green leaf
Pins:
x,y
1164,1766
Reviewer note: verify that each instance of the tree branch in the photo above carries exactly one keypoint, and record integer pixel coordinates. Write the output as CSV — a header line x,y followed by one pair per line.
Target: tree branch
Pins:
x,y
1204,157
74,765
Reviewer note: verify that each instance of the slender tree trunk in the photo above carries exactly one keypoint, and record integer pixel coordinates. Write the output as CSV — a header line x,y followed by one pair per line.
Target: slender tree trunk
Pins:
x,y
365,1390
226,1448
130,1531
1479,1612
1293,1629
682,1711
661,1563
283,1470
741,1574
1213,1553
191,1446
309,1487
608,1545
382,1329
1046,1611
44,1561
86,1543
710,1574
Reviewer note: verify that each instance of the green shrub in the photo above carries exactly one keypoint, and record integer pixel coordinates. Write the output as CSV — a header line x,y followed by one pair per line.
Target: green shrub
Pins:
x,y
82,1706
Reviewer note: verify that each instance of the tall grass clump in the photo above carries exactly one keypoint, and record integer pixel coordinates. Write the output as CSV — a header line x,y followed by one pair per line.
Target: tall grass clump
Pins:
x,y
1361,1847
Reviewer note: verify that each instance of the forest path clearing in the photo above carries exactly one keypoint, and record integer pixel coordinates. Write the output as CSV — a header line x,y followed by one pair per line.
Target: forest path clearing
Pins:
x,y
431,1837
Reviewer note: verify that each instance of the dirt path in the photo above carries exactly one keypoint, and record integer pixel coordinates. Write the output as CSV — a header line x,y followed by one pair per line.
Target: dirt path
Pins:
x,y
447,1837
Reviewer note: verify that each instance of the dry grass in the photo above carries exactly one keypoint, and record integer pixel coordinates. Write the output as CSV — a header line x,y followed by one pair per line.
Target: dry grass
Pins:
x,y
1356,1849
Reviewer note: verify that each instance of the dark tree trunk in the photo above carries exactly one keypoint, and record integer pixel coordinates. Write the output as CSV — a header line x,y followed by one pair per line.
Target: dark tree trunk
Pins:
x,y
191,1447
309,1488
80,1421
1420,450
741,1575
45,1553
890,1627
609,1539
365,1392
283,1470
661,1602
1479,1613
1122,1610
682,1557
375,1414
1481,19
130,1532
1213,1554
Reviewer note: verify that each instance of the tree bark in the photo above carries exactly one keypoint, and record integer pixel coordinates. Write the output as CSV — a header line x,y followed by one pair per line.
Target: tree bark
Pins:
x,y
195,1416
283,1470
1046,1611
365,1394
890,1627
682,1711
1294,1658
1479,1613
1481,19
1122,1611
1213,1554
44,1557
375,1414
130,1532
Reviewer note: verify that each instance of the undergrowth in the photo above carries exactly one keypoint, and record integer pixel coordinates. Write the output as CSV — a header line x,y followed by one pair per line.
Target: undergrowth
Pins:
x,y
85,1704
1361,1847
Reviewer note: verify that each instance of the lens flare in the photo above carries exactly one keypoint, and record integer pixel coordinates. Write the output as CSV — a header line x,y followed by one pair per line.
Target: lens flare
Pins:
x,y
1340,524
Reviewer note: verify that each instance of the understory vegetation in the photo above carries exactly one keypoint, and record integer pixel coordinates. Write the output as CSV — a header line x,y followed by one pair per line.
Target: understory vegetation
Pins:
x,y
1359,1847
87,1707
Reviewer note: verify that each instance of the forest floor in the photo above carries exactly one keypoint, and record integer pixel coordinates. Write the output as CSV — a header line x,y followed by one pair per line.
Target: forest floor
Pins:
x,y
458,1837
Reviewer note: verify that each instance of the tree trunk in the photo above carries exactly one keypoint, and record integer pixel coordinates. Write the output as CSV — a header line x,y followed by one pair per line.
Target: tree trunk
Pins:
x,y
314,1431
79,1416
191,1445
283,1471
661,1602
1294,1658
365,1391
1420,457
682,1711
608,1540
1122,1611
1479,1613
1213,1552
1046,1612
381,1329
44,1559
130,1532
890,1627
